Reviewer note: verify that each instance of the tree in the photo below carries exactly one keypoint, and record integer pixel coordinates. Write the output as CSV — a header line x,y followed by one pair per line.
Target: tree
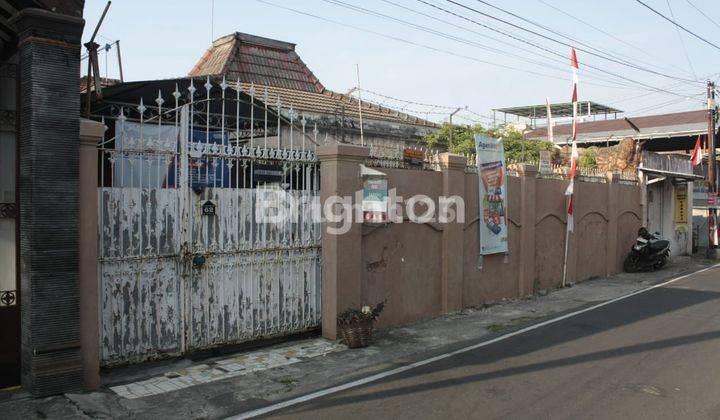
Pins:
x,y
463,142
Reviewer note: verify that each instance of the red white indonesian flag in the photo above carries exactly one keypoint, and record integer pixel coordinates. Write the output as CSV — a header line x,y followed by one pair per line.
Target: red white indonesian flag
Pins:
x,y
697,156
574,65
574,153
571,187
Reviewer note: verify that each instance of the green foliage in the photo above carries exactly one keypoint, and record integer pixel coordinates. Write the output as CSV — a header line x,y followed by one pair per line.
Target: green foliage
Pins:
x,y
463,141
587,159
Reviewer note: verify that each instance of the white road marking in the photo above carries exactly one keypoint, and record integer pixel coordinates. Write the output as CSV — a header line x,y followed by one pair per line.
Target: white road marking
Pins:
x,y
335,389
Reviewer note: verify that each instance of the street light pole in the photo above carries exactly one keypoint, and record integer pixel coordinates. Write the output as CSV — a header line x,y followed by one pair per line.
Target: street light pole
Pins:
x,y
451,127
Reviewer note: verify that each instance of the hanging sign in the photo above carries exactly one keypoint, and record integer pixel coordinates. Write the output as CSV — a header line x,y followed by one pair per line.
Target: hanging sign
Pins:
x,y
545,166
375,198
712,200
681,211
492,195
413,157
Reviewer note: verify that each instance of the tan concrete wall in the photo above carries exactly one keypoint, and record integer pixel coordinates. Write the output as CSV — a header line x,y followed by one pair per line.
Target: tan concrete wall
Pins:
x,y
427,269
90,133
394,266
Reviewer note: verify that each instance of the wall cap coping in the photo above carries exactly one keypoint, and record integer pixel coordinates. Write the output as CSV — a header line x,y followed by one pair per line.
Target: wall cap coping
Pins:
x,y
342,151
527,169
56,24
452,161
91,131
613,177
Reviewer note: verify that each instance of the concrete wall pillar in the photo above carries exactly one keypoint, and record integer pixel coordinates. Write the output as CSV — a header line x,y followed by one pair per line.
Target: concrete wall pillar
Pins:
x,y
49,52
90,133
341,253
613,207
453,184
526,277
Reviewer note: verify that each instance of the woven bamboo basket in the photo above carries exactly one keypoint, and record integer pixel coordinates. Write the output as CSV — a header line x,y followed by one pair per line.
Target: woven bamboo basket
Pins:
x,y
357,333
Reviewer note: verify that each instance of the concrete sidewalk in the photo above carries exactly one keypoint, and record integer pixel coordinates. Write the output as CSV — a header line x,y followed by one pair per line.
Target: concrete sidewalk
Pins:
x,y
219,387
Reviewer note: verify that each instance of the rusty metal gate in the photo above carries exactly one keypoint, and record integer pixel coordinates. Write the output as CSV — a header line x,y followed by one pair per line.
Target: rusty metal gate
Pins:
x,y
207,227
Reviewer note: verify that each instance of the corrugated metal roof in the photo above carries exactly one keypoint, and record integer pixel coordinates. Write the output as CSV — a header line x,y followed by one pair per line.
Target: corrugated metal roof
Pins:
x,y
653,126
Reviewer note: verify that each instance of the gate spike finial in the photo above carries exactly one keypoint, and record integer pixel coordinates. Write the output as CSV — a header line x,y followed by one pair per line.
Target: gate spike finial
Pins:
x,y
141,108
159,100
208,85
223,84
191,89
176,93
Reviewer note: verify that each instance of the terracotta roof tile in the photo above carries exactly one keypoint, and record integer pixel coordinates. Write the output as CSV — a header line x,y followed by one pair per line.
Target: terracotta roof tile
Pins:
x,y
331,103
274,64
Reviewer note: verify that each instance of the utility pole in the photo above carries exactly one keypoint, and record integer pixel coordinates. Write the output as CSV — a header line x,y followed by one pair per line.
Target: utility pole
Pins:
x,y
712,251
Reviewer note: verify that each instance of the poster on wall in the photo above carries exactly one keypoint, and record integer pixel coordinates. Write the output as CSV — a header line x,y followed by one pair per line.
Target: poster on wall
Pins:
x,y
492,196
375,201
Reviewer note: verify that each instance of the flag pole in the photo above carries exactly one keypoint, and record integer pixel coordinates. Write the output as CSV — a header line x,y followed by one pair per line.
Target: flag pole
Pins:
x,y
567,243
570,191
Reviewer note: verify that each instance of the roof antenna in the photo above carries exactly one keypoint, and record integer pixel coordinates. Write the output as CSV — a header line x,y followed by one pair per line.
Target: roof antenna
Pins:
x,y
212,21
93,65
359,91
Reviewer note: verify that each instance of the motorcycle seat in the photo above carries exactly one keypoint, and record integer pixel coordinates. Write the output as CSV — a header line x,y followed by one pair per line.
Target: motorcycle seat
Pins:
x,y
659,245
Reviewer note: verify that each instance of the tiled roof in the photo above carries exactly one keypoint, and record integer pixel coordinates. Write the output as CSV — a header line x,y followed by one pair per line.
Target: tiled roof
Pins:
x,y
262,61
652,126
272,64
331,103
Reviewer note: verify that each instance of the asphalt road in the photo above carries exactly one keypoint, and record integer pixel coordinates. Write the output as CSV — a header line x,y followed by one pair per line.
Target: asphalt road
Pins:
x,y
653,355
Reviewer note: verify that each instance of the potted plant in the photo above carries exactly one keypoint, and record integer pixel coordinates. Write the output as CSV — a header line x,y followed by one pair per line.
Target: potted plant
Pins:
x,y
356,325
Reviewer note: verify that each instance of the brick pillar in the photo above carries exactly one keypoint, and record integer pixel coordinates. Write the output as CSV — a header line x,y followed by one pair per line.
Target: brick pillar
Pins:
x,y
90,133
341,254
613,205
49,52
453,183
526,259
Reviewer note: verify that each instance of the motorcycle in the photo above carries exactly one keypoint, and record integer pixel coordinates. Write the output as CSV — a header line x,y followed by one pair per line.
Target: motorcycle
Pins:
x,y
650,252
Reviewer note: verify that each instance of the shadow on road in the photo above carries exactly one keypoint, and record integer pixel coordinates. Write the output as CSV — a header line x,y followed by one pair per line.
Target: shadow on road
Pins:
x,y
634,309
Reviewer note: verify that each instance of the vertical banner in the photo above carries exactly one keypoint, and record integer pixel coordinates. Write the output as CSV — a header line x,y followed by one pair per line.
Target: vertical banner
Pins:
x,y
492,195
681,207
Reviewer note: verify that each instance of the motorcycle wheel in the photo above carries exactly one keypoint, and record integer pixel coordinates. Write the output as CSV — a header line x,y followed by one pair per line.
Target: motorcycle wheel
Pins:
x,y
661,263
630,264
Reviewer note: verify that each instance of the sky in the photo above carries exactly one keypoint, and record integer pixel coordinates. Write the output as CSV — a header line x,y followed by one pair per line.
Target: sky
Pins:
x,y
430,60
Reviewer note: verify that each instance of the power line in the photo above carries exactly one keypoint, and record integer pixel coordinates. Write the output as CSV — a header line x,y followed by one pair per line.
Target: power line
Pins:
x,y
703,13
501,41
682,42
678,25
405,41
650,87
608,58
457,39
602,31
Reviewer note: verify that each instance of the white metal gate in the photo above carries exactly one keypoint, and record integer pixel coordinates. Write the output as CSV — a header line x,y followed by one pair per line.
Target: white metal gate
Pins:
x,y
185,262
